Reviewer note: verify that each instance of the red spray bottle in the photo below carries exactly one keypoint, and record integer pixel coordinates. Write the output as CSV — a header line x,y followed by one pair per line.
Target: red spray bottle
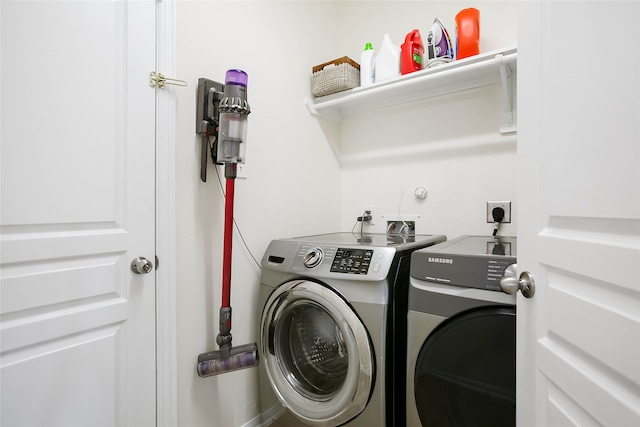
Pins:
x,y
412,53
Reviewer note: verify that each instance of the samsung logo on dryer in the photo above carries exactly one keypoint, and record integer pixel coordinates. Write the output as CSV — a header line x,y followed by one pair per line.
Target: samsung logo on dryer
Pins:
x,y
440,260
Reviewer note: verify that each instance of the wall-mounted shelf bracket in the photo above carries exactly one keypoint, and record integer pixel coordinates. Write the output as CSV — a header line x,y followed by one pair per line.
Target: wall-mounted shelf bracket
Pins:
x,y
332,115
507,117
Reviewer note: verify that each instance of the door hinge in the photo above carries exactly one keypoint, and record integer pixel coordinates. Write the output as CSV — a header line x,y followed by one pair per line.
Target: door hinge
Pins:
x,y
157,79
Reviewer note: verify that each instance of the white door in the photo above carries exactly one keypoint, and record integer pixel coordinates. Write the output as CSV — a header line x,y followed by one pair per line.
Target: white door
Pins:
x,y
77,344
579,213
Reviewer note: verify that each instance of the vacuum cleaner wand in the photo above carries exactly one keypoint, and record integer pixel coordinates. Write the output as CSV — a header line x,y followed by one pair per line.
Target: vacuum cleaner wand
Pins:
x,y
224,337
234,110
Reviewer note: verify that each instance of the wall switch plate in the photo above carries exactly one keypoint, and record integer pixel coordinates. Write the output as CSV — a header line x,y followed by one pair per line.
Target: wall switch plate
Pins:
x,y
504,205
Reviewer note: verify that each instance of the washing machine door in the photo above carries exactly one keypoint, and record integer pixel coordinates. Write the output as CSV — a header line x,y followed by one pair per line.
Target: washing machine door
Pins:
x,y
317,353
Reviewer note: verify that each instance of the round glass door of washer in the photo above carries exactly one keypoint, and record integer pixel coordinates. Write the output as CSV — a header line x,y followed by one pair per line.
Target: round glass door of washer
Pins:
x,y
317,353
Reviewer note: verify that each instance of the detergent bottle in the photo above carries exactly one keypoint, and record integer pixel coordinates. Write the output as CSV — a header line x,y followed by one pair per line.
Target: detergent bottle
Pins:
x,y
467,33
387,60
412,52
367,70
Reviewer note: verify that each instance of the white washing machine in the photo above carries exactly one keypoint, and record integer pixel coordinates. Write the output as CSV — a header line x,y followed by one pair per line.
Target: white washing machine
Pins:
x,y
461,335
333,328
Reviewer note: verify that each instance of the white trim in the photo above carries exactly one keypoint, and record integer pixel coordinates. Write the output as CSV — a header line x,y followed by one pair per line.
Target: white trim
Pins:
x,y
255,422
267,417
166,347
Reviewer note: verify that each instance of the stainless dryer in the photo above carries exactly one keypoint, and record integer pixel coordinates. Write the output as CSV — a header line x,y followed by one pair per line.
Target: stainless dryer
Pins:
x,y
461,335
333,328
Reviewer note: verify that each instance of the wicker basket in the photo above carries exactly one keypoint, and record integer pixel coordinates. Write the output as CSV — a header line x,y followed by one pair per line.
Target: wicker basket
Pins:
x,y
335,76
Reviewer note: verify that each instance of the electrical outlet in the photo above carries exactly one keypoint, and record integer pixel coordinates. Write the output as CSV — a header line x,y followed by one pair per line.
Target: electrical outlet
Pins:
x,y
373,218
504,205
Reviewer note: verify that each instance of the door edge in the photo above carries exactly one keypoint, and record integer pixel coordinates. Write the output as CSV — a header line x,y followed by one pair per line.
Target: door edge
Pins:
x,y
166,336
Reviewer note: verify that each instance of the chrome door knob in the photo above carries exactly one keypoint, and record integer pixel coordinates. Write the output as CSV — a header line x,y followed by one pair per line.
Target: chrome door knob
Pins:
x,y
141,265
510,283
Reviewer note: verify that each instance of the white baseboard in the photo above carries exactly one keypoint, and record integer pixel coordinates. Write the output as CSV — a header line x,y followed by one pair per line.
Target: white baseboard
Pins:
x,y
266,418
255,422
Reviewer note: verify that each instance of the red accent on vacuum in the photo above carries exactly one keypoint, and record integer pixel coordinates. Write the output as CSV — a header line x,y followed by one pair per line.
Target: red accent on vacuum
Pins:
x,y
228,241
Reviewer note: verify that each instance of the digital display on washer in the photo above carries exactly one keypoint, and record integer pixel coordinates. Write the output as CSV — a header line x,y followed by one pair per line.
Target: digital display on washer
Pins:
x,y
352,261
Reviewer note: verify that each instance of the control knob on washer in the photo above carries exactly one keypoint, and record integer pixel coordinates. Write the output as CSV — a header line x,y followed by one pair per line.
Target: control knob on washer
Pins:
x,y
313,257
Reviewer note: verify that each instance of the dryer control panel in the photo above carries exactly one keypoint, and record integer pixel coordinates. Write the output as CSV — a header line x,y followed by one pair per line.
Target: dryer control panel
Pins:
x,y
467,261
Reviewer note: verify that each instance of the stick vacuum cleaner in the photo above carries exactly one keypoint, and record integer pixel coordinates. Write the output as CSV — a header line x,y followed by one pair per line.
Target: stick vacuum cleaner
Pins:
x,y
233,111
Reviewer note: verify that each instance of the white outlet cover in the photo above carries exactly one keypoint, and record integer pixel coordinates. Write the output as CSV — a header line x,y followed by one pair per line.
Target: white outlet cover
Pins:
x,y
506,205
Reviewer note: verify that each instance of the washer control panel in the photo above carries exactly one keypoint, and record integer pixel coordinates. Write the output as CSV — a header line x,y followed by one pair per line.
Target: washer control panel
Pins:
x,y
352,261
342,256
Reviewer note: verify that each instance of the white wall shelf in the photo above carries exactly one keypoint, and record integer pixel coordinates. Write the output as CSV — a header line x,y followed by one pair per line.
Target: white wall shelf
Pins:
x,y
498,66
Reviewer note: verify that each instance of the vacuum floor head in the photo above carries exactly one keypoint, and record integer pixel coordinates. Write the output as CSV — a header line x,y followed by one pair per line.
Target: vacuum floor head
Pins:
x,y
228,360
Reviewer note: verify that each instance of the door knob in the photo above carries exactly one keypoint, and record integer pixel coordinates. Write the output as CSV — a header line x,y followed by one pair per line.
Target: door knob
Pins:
x,y
141,265
510,284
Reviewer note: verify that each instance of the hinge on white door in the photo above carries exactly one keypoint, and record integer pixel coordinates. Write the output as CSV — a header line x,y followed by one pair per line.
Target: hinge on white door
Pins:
x,y
157,79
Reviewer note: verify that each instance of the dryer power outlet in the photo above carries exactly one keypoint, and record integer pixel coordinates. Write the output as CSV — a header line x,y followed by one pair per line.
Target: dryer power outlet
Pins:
x,y
506,206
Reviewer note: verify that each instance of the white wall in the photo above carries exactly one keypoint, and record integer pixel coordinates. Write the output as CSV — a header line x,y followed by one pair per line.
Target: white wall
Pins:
x,y
292,186
306,176
449,144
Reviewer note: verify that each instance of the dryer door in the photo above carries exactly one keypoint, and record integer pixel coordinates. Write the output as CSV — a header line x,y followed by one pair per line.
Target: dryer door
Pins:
x,y
465,373
317,353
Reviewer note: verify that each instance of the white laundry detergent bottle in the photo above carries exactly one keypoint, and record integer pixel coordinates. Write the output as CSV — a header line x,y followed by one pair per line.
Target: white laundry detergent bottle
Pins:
x,y
387,60
367,65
